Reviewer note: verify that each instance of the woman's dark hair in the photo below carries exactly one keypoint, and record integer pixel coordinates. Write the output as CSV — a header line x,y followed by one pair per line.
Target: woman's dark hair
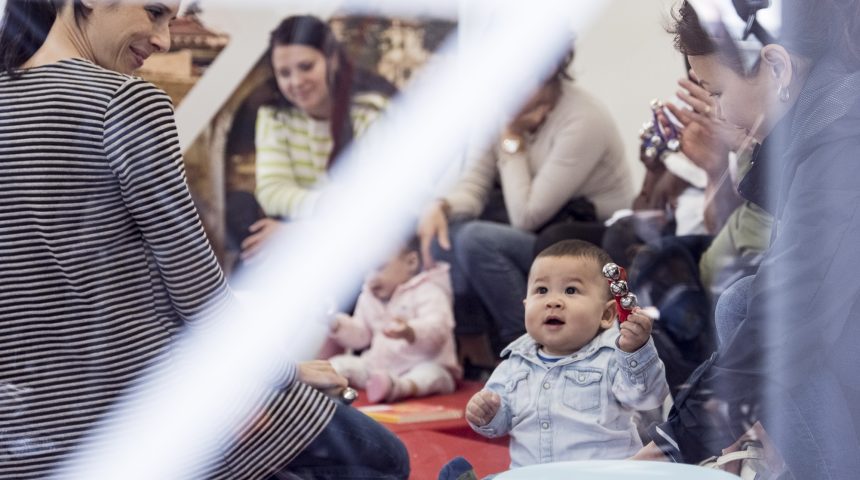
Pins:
x,y
560,73
343,81
811,29
26,24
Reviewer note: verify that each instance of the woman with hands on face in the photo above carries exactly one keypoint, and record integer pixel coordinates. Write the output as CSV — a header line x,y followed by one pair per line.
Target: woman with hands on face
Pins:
x,y
796,91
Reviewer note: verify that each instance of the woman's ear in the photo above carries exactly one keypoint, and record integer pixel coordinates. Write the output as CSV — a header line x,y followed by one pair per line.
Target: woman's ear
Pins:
x,y
609,314
776,59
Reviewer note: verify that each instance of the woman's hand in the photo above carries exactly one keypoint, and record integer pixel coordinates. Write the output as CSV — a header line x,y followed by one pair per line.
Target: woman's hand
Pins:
x,y
322,376
705,139
433,226
261,231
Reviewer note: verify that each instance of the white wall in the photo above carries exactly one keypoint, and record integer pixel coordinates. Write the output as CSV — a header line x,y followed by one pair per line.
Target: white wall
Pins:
x,y
627,59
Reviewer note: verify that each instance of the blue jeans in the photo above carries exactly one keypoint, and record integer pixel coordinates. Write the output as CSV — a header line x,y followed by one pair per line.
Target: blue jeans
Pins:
x,y
731,308
812,423
496,259
351,446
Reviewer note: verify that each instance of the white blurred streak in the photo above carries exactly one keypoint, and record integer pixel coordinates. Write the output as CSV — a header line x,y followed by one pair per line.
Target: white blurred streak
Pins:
x,y
382,184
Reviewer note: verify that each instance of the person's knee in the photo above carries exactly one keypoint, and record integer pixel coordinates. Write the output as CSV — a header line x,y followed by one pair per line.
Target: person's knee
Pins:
x,y
401,467
475,240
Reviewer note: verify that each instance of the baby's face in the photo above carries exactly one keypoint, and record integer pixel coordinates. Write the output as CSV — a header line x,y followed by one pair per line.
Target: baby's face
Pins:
x,y
567,303
392,274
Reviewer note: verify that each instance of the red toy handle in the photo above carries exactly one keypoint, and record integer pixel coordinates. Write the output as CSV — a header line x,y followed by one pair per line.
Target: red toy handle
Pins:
x,y
624,300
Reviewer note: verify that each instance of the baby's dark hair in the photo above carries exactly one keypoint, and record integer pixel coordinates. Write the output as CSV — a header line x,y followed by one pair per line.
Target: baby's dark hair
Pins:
x,y
413,244
580,249
576,248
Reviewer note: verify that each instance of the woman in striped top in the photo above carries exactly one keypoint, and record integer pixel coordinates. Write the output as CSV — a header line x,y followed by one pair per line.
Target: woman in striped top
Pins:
x,y
103,260
321,105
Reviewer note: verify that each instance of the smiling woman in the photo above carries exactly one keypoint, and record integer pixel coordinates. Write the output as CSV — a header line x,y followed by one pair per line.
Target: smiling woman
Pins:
x,y
103,261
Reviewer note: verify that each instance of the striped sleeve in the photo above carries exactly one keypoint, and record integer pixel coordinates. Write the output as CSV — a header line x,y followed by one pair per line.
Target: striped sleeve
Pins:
x,y
279,190
142,147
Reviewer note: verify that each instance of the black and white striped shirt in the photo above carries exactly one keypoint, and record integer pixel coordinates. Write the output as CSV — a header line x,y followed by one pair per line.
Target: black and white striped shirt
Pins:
x,y
103,260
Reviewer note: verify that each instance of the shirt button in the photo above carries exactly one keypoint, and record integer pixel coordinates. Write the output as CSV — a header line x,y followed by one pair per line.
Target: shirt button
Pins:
x,y
546,386
545,425
581,377
633,363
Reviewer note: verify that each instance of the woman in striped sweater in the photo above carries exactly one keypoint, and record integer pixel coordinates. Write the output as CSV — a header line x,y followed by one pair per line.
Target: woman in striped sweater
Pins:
x,y
322,103
98,235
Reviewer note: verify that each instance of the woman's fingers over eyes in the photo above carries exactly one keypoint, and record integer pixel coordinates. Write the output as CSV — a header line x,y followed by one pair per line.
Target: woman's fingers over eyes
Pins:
x,y
699,106
696,90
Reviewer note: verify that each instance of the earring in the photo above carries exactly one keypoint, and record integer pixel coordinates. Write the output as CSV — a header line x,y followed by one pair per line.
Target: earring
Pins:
x,y
783,93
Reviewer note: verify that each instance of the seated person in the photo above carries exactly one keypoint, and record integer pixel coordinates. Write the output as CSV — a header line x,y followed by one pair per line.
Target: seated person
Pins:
x,y
321,103
559,159
571,385
404,319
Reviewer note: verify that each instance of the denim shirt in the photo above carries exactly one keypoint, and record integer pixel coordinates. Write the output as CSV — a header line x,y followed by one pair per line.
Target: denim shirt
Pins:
x,y
578,408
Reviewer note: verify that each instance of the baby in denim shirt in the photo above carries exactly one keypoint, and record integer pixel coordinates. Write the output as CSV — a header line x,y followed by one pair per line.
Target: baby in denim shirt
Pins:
x,y
571,385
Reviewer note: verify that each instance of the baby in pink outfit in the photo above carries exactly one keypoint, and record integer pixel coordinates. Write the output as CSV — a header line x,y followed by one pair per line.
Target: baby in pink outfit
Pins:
x,y
404,319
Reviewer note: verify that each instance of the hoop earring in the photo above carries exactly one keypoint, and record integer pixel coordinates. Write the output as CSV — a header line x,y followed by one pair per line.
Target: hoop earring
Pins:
x,y
783,93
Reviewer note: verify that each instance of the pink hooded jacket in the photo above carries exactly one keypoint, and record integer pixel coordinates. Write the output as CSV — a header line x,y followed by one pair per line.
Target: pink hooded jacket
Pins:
x,y
425,302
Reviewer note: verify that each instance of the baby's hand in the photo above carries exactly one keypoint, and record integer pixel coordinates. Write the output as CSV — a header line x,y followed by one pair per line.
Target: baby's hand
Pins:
x,y
635,332
399,329
337,320
482,407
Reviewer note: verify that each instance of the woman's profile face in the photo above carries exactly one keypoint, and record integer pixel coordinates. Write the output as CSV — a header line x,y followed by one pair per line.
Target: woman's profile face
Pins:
x,y
123,34
745,102
301,73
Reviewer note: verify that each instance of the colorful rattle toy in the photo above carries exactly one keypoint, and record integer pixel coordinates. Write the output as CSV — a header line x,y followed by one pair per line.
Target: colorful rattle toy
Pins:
x,y
624,300
658,139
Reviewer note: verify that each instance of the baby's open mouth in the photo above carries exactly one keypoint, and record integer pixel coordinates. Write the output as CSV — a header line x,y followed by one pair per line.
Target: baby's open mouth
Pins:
x,y
553,321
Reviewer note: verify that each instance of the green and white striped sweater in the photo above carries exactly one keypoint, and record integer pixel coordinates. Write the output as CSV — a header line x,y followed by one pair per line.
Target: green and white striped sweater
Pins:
x,y
293,151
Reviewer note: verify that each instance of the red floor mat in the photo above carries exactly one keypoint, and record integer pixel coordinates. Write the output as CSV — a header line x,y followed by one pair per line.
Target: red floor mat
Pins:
x,y
432,444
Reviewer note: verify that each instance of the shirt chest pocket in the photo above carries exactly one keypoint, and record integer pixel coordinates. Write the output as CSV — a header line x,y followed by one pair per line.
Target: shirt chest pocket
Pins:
x,y
517,389
582,389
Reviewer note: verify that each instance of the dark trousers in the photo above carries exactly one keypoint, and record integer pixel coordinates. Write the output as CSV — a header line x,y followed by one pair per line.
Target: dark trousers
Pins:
x,y
351,446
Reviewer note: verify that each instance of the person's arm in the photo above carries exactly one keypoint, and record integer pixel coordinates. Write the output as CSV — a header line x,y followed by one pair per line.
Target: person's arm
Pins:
x,y
354,331
466,200
707,140
142,148
501,422
143,151
640,381
278,189
433,323
532,198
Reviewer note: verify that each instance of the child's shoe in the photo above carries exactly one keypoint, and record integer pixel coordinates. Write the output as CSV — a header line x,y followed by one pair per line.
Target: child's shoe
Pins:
x,y
379,386
457,469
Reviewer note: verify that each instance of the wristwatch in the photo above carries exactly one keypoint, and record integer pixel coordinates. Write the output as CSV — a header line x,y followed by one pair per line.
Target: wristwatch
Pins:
x,y
512,145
